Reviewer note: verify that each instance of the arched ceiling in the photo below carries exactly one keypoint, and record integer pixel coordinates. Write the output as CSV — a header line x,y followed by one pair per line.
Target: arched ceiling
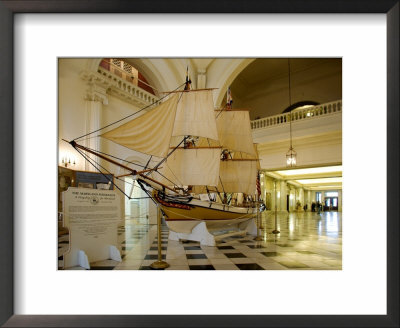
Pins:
x,y
263,86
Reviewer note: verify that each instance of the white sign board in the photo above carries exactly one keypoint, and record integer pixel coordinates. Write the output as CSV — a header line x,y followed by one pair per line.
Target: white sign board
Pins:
x,y
92,217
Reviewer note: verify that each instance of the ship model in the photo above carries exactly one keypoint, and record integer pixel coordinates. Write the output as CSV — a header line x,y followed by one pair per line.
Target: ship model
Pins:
x,y
202,166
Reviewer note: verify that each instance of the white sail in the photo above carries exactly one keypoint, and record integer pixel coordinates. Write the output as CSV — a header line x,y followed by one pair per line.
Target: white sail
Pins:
x,y
151,132
195,115
239,155
238,176
192,167
234,131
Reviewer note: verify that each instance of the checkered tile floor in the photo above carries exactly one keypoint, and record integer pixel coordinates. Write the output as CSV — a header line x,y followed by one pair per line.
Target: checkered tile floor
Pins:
x,y
307,241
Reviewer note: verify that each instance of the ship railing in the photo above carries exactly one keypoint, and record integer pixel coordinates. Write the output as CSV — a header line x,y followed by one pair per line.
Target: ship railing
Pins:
x,y
303,113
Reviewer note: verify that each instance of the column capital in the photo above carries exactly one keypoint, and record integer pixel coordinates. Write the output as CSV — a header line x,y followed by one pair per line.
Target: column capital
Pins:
x,y
97,87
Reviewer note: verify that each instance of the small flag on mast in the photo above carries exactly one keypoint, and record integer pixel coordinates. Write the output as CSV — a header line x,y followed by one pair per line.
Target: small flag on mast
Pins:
x,y
188,82
229,100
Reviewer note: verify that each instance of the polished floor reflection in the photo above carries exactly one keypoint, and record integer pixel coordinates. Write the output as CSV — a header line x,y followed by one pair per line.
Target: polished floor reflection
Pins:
x,y
307,241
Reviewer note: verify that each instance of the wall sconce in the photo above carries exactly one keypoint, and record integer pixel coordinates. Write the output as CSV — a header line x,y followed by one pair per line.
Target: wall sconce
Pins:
x,y
66,161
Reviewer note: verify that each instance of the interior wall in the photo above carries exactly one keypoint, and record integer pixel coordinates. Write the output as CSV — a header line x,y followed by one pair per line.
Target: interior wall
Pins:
x,y
71,107
73,119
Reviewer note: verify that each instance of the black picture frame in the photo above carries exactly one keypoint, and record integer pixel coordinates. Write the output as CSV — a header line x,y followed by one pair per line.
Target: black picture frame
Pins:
x,y
7,197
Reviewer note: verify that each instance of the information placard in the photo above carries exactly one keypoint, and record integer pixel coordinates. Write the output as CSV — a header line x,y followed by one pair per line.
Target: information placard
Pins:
x,y
92,218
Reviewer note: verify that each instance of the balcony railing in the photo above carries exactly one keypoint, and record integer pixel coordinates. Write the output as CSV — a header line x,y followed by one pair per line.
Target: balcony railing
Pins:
x,y
126,89
126,71
298,114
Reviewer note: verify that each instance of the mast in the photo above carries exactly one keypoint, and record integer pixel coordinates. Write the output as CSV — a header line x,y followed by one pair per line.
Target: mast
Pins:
x,y
196,163
239,159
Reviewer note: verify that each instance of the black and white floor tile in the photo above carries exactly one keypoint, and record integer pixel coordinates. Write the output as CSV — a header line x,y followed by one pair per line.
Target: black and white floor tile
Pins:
x,y
307,241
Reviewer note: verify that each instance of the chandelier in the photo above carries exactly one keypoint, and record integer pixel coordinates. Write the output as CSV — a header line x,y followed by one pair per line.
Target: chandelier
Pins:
x,y
291,155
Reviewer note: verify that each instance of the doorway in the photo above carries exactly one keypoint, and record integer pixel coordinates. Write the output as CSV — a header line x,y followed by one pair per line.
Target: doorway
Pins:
x,y
331,204
137,205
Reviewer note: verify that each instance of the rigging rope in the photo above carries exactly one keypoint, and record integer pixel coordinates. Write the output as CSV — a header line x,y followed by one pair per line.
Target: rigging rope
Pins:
x,y
90,161
146,191
129,162
123,160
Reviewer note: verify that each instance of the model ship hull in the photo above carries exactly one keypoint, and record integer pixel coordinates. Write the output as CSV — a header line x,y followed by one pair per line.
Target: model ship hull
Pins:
x,y
183,217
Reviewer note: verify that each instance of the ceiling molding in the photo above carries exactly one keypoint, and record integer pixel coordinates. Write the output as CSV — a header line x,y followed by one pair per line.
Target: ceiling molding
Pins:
x,y
293,179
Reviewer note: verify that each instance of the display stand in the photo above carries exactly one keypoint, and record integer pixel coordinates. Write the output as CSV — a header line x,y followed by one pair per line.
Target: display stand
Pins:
x,y
201,234
159,264
258,219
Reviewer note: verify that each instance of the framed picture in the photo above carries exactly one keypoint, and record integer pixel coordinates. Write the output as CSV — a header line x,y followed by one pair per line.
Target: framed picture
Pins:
x,y
247,297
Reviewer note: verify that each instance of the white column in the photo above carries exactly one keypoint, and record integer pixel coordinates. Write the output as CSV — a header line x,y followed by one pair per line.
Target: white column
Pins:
x,y
274,196
339,200
313,198
309,201
95,98
264,187
93,123
279,194
293,200
283,191
201,78
301,197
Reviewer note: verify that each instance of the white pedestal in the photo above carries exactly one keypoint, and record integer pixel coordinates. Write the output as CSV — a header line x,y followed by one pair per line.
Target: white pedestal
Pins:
x,y
201,234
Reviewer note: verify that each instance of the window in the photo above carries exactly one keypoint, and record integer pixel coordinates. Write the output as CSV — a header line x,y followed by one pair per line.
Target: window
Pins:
x,y
331,194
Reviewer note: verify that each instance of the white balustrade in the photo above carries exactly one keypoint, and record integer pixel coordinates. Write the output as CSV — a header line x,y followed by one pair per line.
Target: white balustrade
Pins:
x,y
298,114
131,90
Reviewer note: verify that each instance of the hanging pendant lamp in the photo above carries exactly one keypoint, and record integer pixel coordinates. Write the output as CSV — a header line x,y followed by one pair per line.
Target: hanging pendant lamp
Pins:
x,y
291,155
